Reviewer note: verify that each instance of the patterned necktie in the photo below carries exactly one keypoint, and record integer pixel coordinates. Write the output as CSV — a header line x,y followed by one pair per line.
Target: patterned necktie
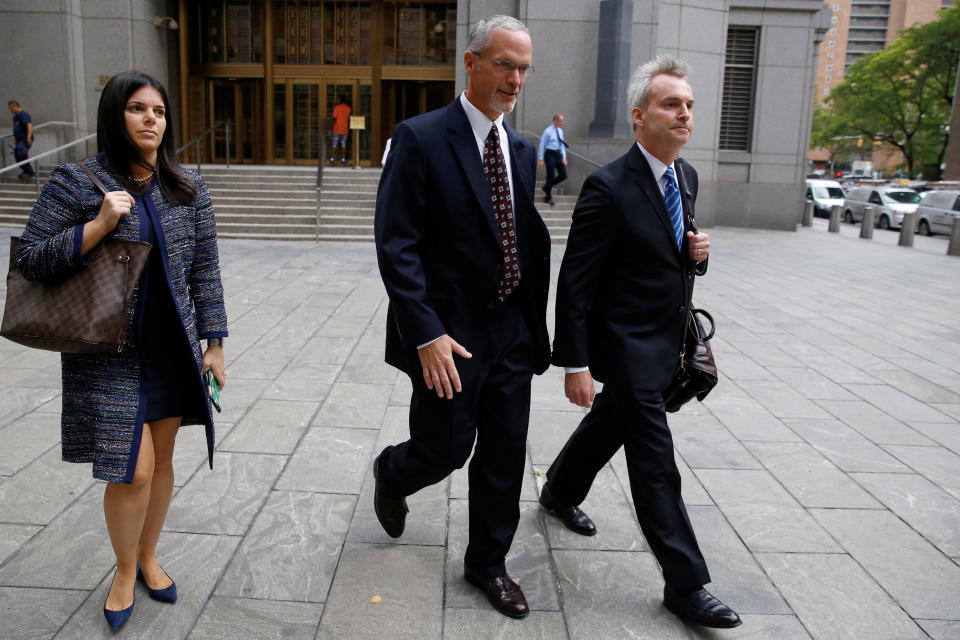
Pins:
x,y
495,169
671,195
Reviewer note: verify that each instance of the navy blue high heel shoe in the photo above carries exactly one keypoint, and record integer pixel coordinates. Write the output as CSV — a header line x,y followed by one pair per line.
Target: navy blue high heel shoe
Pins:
x,y
167,594
117,619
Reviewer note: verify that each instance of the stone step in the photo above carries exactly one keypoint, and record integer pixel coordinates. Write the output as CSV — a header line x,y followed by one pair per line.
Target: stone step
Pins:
x,y
268,227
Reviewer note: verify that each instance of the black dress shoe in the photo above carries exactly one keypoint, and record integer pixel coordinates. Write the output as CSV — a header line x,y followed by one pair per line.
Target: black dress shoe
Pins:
x,y
699,607
502,592
391,512
572,517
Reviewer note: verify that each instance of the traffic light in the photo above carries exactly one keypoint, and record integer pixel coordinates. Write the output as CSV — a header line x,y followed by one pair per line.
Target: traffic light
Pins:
x,y
839,173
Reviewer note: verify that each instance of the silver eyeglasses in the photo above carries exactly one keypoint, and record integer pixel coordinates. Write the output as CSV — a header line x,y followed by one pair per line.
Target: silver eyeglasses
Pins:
x,y
508,66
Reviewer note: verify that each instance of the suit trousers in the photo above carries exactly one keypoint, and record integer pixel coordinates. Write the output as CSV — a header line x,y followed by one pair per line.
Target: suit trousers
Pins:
x,y
493,410
556,170
637,421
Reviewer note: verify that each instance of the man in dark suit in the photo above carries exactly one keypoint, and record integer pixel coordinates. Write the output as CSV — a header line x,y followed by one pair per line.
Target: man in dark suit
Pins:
x,y
621,302
465,258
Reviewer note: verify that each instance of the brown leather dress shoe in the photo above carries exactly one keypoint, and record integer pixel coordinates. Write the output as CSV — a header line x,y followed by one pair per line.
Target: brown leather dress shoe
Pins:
x,y
391,512
700,607
502,592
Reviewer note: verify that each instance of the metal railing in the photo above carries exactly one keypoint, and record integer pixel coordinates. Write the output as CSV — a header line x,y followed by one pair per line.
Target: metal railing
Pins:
x,y
36,174
322,147
569,151
52,123
198,140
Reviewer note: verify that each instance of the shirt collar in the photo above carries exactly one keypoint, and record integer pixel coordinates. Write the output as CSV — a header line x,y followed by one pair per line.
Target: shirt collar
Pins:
x,y
479,122
656,166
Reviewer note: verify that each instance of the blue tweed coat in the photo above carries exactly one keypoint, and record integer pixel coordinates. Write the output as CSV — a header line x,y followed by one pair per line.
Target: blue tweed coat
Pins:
x,y
103,398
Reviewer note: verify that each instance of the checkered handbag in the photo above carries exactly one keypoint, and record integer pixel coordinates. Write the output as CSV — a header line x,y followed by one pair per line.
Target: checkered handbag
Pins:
x,y
84,311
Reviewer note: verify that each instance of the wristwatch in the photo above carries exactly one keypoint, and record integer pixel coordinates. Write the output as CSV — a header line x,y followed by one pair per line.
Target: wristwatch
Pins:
x,y
214,342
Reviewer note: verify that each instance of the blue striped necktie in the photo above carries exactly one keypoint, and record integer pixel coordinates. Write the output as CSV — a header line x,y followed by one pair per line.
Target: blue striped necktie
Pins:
x,y
671,195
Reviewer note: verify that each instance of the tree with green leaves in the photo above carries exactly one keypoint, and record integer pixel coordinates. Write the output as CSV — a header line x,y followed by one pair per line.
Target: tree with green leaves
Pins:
x,y
900,96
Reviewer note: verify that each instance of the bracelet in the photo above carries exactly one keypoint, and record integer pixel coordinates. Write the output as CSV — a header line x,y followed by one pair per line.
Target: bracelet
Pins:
x,y
214,342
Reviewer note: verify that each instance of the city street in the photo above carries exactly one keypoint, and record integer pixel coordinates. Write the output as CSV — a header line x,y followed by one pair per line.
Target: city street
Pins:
x,y
822,475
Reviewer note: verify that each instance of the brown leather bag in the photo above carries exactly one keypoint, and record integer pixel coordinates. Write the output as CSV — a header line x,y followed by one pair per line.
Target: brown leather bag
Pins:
x,y
696,375
84,311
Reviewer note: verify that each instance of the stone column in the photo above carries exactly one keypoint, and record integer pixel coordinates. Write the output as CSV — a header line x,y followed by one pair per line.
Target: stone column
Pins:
x,y
613,70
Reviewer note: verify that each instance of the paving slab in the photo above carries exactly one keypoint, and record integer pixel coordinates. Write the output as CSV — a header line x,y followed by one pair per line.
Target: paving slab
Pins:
x,y
32,614
292,549
367,599
810,477
836,598
246,619
924,581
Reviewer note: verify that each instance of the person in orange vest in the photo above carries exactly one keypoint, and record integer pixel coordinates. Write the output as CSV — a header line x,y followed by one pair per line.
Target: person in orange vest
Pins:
x,y
341,130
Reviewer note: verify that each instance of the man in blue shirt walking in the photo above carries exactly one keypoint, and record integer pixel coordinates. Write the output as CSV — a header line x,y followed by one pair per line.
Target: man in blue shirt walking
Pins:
x,y
22,135
552,152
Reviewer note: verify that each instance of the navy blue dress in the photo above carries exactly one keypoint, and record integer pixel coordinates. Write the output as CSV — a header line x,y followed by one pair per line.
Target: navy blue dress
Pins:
x,y
166,361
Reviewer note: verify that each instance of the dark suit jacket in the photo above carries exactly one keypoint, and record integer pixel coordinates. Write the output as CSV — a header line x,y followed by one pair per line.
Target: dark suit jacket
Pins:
x,y
623,284
437,240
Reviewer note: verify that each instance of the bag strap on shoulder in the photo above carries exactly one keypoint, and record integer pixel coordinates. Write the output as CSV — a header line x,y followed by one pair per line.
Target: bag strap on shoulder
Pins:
x,y
96,180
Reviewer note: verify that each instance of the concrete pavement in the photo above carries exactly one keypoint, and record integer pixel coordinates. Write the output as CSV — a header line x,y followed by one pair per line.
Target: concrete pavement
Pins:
x,y
822,475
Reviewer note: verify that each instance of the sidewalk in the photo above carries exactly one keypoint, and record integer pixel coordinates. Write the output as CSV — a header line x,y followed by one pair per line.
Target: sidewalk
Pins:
x,y
822,475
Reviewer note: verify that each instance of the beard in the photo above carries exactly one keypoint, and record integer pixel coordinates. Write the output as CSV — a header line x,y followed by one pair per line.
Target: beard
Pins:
x,y
500,104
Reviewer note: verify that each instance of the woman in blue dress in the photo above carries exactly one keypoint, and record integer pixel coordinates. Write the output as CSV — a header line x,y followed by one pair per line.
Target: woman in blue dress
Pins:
x,y
122,411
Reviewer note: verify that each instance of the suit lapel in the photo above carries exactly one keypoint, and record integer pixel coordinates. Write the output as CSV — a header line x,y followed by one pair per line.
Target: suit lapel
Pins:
x,y
643,176
464,146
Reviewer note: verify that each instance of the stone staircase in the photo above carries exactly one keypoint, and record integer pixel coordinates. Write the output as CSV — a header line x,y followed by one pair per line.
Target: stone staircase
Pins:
x,y
273,202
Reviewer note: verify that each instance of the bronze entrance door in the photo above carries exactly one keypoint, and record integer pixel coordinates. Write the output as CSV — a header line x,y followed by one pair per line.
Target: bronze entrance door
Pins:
x,y
303,119
239,102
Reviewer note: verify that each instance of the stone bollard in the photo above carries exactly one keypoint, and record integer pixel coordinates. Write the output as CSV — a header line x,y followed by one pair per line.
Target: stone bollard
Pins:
x,y
835,212
807,214
866,225
953,249
907,228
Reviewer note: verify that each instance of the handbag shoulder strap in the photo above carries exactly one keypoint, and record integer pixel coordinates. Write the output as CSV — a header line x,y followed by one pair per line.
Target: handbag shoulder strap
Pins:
x,y
96,180
692,225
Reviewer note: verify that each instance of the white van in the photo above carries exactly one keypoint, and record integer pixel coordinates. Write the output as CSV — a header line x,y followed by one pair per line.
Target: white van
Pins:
x,y
937,210
889,204
824,194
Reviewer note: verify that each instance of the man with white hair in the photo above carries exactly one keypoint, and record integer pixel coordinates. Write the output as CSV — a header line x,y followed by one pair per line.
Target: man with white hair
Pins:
x,y
621,304
465,259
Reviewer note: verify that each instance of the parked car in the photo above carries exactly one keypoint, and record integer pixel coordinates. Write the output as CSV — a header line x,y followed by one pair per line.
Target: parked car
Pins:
x,y
889,205
824,194
937,210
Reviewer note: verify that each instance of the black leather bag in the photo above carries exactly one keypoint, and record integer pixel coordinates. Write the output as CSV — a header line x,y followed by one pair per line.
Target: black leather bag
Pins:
x,y
84,311
696,373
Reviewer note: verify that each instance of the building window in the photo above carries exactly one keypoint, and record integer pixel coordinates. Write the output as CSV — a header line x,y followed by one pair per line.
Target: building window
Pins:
x,y
834,19
315,32
419,33
836,7
833,32
826,91
830,55
739,85
232,30
827,79
832,43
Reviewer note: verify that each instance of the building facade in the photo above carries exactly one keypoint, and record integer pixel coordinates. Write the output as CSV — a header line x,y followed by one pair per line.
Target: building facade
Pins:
x,y
275,68
857,28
